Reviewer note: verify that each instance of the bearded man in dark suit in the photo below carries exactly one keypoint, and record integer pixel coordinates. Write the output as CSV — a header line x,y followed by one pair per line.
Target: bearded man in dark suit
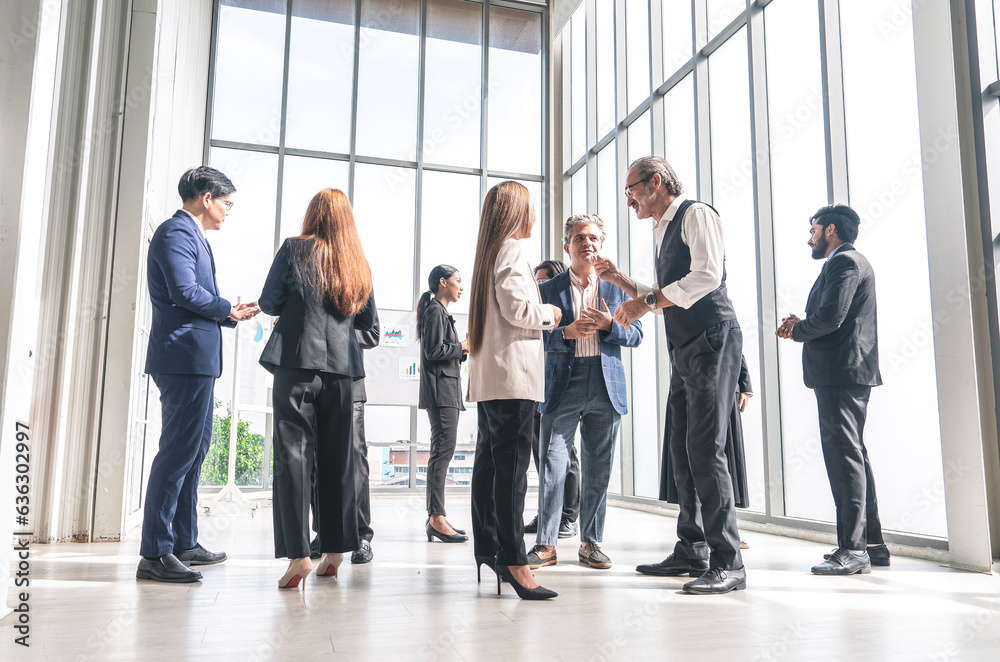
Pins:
x,y
840,364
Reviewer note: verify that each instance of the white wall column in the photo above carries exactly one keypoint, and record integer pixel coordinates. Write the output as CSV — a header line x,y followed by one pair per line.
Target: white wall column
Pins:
x,y
956,267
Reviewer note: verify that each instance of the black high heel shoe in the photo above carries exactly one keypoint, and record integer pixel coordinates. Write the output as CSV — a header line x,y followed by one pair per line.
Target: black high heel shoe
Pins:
x,y
443,537
459,531
490,562
537,593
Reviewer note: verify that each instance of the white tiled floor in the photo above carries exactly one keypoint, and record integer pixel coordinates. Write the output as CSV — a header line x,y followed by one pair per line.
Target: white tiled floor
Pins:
x,y
420,601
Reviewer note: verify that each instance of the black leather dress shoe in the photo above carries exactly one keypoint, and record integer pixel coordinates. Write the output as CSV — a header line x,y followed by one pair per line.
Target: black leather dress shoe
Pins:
x,y
363,554
673,566
314,552
567,529
532,526
166,569
877,554
718,580
198,555
844,562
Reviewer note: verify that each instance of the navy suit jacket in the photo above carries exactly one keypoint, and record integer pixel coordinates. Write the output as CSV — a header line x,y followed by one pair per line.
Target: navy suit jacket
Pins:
x,y
840,330
559,352
185,337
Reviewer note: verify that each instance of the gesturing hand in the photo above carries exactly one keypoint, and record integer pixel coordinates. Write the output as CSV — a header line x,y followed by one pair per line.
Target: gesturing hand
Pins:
x,y
244,311
600,317
580,328
605,269
630,311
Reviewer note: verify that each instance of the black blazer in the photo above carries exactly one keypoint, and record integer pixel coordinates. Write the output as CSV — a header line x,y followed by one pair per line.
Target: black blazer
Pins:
x,y
840,329
440,359
309,334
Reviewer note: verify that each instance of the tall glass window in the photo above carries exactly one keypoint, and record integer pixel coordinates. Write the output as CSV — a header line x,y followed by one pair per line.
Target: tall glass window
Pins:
x,y
454,80
677,35
605,44
320,76
732,195
388,79
515,86
752,117
607,199
578,83
679,133
798,181
248,71
886,188
398,104
637,48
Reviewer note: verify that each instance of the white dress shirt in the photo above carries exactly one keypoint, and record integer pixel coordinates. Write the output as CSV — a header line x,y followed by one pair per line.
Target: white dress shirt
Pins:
x,y
703,234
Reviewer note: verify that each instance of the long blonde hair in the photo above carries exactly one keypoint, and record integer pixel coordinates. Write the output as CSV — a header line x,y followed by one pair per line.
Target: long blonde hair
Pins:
x,y
335,263
506,212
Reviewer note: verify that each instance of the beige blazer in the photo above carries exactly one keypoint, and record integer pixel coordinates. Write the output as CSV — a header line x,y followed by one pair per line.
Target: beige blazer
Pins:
x,y
510,365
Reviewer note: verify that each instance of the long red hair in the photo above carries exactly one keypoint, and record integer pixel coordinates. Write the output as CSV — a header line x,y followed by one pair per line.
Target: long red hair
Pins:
x,y
336,264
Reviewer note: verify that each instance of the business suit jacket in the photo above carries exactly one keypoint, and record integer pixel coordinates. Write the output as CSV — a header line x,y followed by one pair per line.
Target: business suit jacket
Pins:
x,y
509,363
840,329
559,352
367,338
309,335
185,337
440,359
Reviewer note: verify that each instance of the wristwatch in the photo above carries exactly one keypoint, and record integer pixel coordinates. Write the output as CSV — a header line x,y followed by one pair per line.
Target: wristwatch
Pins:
x,y
650,300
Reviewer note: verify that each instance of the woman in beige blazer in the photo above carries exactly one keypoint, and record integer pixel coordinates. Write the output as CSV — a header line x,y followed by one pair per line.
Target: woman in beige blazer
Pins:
x,y
506,379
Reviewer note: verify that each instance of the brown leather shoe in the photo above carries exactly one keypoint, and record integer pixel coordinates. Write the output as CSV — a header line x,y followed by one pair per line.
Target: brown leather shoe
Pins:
x,y
539,557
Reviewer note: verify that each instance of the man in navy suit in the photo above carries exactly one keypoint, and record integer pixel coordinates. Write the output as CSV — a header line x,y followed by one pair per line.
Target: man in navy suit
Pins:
x,y
184,359
585,387
840,364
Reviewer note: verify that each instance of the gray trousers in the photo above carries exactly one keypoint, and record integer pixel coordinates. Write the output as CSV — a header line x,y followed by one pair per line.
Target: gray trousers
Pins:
x,y
444,438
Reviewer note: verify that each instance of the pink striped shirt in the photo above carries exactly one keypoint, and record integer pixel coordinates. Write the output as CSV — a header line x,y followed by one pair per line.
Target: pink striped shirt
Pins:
x,y
585,297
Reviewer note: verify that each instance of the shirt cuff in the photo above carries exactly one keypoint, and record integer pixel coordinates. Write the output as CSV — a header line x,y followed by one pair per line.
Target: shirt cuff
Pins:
x,y
677,296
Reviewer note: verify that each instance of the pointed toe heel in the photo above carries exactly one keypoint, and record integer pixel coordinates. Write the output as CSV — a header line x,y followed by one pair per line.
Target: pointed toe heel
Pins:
x,y
537,593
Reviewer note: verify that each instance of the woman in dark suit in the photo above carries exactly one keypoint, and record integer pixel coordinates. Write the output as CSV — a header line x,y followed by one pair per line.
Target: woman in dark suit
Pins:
x,y
441,356
320,285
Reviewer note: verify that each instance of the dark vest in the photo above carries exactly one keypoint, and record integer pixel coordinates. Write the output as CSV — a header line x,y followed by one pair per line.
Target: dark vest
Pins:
x,y
673,263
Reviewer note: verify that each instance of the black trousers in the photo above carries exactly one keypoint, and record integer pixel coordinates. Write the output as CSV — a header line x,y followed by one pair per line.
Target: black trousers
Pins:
x,y
571,489
500,479
170,512
313,421
361,486
444,437
703,378
842,413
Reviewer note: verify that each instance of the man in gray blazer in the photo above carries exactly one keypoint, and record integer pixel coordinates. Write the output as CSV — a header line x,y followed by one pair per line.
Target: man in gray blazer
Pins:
x,y
840,363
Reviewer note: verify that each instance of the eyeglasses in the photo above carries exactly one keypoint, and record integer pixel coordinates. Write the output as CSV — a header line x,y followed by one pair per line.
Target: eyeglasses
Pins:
x,y
628,187
228,203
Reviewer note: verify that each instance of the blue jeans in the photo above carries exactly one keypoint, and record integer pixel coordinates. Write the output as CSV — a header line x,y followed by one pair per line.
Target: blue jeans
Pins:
x,y
585,403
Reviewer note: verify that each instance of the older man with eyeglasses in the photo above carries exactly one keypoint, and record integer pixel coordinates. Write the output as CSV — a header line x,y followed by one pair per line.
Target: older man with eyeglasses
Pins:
x,y
705,346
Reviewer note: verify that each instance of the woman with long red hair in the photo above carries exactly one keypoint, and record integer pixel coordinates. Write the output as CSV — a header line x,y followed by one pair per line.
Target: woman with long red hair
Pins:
x,y
321,287
506,363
